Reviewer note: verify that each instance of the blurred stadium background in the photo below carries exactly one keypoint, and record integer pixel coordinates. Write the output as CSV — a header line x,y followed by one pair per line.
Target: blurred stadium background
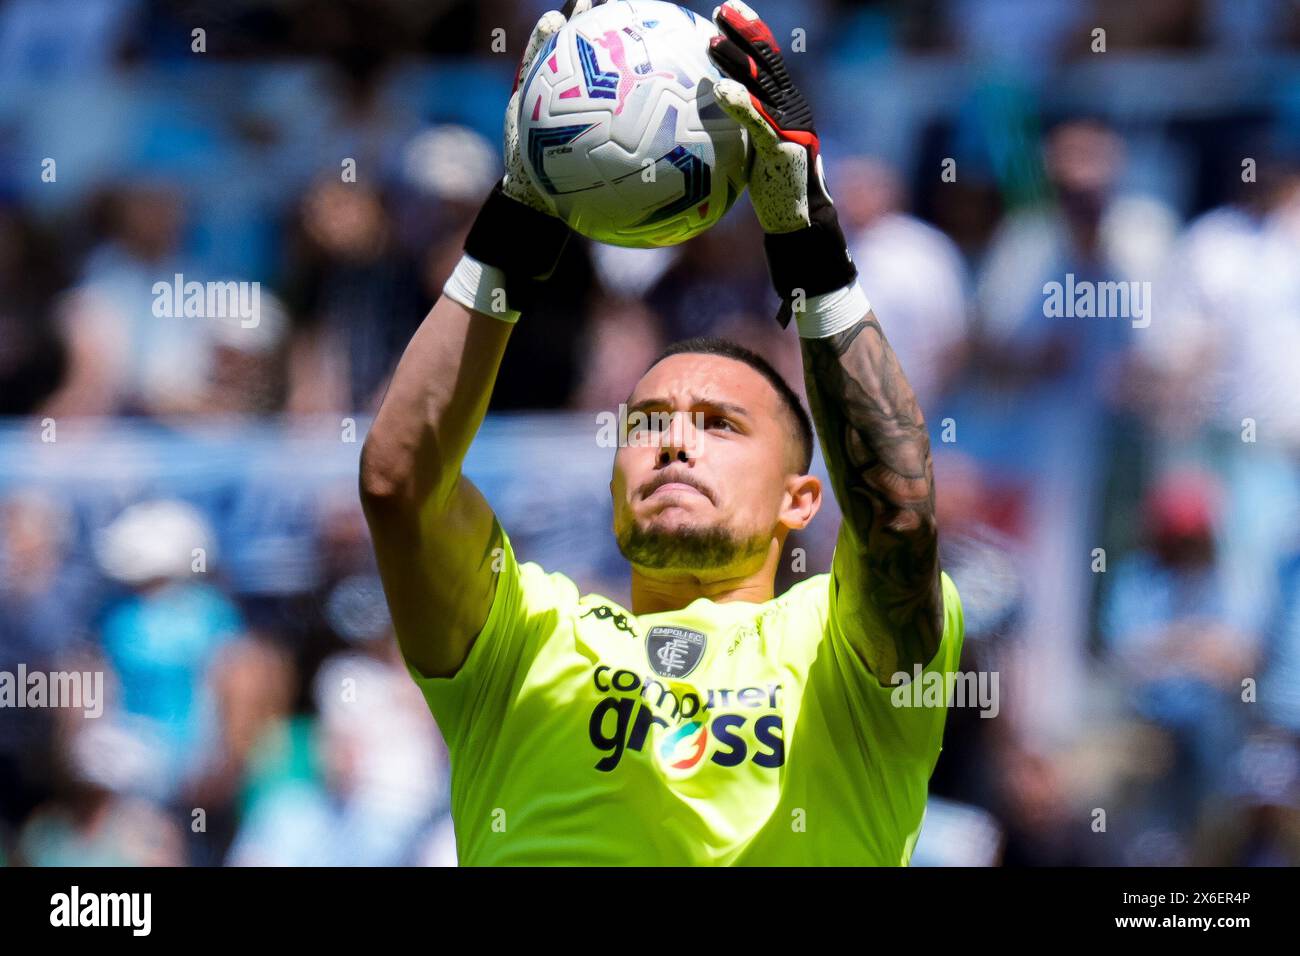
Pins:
x,y
228,688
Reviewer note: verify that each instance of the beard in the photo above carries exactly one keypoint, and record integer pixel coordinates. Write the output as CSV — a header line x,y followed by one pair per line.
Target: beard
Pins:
x,y
688,549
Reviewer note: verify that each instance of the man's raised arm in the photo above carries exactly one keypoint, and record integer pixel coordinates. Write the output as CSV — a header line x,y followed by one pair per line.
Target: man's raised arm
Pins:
x,y
886,567
433,532
878,455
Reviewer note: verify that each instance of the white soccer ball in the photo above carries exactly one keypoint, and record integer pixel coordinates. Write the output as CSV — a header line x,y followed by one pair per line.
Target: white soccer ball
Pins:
x,y
619,130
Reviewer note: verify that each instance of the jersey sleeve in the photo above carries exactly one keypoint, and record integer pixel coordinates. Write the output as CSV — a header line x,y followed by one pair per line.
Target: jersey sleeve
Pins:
x,y
902,722
469,706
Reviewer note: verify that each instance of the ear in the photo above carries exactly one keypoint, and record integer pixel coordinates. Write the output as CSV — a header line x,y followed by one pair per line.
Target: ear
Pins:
x,y
803,501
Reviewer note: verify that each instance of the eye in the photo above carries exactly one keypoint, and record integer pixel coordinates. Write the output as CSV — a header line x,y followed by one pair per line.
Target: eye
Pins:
x,y
717,421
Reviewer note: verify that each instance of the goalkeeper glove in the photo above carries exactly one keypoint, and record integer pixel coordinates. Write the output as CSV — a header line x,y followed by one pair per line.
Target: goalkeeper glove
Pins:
x,y
807,255
516,241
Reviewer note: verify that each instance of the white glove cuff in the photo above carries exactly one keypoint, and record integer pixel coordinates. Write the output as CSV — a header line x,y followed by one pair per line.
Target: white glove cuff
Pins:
x,y
832,312
481,288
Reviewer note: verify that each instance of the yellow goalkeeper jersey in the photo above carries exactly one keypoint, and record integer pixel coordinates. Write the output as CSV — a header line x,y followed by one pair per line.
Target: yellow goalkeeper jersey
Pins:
x,y
718,734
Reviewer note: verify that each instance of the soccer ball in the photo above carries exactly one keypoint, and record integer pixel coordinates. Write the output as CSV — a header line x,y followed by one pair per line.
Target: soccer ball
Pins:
x,y
619,130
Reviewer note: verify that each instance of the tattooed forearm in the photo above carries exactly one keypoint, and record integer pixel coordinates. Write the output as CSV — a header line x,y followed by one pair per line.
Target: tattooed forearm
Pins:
x,y
878,454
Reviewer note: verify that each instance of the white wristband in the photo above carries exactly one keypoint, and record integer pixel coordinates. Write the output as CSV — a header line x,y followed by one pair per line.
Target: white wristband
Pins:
x,y
481,288
832,312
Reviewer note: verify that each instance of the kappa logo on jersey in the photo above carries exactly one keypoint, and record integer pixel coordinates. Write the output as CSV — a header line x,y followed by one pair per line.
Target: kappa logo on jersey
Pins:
x,y
603,612
674,651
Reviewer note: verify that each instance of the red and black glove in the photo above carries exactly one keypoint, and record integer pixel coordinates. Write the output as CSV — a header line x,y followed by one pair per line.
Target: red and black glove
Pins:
x,y
804,243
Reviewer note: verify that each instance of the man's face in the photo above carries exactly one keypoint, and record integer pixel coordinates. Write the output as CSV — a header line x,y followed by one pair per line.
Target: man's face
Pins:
x,y
705,478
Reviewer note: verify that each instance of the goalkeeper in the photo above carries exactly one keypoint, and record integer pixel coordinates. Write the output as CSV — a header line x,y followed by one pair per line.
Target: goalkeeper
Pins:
x,y
711,721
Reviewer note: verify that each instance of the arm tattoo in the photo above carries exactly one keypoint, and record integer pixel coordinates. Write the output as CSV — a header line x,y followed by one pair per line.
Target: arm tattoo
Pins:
x,y
877,452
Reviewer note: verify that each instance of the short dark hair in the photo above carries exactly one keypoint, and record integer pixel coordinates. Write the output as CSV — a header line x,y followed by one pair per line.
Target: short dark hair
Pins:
x,y
712,345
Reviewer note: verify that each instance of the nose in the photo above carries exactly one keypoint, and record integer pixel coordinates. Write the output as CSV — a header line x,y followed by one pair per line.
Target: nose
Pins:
x,y
676,442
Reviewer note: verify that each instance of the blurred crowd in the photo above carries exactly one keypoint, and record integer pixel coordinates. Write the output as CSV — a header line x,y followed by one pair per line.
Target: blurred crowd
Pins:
x,y
1119,496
